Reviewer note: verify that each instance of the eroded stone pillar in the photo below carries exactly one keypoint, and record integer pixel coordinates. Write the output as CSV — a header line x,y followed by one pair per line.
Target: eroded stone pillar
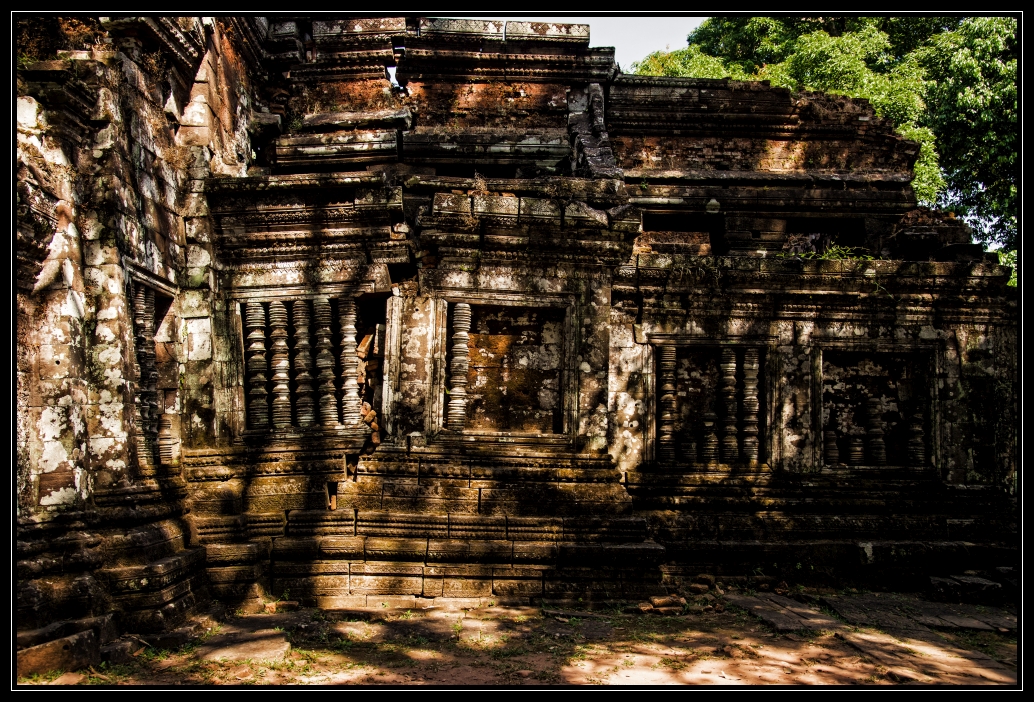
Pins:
x,y
304,409
258,395
145,408
877,448
350,400
917,441
280,365
709,447
666,432
456,417
727,400
749,442
325,363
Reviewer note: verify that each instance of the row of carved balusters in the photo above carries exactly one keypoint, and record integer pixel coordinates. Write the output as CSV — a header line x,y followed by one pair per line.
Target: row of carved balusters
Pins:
x,y
730,436
145,407
286,383
871,448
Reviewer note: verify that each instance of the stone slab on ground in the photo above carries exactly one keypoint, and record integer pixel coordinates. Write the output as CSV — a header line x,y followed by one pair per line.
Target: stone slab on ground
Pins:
x,y
776,616
995,616
68,679
908,614
881,648
876,612
812,618
939,659
961,616
923,661
122,651
69,653
171,640
265,645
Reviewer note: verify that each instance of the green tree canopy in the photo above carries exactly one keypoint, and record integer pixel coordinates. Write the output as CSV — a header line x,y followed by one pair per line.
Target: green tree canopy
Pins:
x,y
949,83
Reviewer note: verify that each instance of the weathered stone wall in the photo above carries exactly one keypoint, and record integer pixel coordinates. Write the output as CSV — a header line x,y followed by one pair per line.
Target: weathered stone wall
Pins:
x,y
103,326
434,308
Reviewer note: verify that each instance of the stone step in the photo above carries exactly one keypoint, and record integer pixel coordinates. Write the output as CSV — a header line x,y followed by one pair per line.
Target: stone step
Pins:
x,y
321,549
156,575
344,522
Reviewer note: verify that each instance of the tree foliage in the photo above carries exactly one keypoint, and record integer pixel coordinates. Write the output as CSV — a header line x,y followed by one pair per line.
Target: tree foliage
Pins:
x,y
949,83
972,99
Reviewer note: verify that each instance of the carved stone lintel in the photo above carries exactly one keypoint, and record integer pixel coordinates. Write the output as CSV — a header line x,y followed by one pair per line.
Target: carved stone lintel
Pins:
x,y
751,365
258,394
350,399
727,400
456,417
666,435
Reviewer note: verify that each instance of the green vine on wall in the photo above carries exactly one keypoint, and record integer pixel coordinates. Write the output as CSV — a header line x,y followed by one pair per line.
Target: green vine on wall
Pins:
x,y
835,252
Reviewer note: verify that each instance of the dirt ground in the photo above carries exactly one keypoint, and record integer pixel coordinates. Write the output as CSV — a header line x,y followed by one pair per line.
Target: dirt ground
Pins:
x,y
512,647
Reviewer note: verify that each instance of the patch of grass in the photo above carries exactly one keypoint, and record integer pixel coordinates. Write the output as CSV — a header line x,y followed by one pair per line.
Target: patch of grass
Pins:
x,y
152,655
675,664
40,678
984,641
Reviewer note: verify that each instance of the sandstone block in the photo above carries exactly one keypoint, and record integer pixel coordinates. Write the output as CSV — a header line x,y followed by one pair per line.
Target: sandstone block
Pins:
x,y
73,652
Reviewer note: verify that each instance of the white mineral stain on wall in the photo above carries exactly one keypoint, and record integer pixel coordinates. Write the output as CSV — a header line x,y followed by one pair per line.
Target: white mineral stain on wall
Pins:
x,y
199,339
111,356
54,455
100,445
63,496
51,424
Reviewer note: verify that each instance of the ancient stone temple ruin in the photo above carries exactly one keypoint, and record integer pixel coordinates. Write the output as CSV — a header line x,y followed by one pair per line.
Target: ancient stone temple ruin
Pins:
x,y
397,309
